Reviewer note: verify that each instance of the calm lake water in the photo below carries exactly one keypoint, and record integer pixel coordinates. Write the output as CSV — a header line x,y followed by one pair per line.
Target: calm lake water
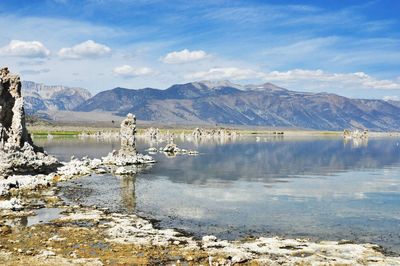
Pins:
x,y
318,188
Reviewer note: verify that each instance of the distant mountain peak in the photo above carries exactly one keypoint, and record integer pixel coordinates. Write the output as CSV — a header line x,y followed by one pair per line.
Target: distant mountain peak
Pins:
x,y
41,97
266,86
216,84
50,91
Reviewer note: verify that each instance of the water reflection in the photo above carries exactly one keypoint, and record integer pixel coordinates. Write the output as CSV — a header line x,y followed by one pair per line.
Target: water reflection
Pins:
x,y
271,162
320,188
128,195
117,193
356,142
64,147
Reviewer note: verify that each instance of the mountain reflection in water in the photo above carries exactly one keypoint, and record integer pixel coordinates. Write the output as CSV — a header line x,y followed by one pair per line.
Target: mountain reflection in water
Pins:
x,y
319,188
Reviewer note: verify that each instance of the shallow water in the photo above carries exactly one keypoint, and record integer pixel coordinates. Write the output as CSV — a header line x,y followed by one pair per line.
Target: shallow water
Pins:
x,y
319,188
43,216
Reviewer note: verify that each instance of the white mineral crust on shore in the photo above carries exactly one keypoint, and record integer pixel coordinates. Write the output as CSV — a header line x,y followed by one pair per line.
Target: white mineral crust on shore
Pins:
x,y
11,204
28,182
131,229
114,158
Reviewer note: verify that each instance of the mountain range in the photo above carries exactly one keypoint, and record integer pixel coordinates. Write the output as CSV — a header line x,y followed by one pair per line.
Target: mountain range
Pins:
x,y
226,103
40,97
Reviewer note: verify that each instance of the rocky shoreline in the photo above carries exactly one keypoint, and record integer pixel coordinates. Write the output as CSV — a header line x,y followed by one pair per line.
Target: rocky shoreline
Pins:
x,y
78,235
89,236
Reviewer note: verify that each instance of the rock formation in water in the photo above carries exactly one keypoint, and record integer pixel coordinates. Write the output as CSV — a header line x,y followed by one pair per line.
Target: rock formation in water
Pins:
x,y
199,133
18,153
127,154
356,134
172,149
127,134
152,133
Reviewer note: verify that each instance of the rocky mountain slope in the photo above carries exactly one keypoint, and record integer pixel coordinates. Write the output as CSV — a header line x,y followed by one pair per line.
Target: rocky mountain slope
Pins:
x,y
40,97
256,105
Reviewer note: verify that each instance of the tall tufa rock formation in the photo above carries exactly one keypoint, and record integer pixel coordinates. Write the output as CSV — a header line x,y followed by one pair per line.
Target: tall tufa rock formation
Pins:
x,y
13,132
127,154
18,154
127,134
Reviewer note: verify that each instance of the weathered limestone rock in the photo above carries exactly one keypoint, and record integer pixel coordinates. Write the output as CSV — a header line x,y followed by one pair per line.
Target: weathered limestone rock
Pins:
x,y
173,149
152,133
356,134
213,133
197,132
18,154
127,154
128,139
13,132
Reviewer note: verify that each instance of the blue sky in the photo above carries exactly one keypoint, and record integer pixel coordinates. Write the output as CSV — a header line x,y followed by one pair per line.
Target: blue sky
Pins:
x,y
347,47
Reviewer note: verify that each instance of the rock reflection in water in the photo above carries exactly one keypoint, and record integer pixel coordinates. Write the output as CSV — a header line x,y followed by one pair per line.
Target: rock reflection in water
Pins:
x,y
356,143
288,187
116,193
274,161
128,196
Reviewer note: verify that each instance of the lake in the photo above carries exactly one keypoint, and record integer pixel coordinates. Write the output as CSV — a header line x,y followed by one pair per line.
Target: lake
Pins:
x,y
320,188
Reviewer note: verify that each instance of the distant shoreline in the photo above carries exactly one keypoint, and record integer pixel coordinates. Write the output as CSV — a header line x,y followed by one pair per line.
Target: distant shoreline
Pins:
x,y
71,130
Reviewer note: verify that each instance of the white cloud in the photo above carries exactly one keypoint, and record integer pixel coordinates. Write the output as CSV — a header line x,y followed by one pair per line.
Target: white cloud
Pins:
x,y
35,71
127,71
225,73
391,98
353,80
183,56
88,49
301,78
31,49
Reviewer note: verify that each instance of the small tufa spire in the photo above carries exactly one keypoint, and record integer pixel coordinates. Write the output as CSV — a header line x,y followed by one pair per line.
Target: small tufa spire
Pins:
x,y
128,138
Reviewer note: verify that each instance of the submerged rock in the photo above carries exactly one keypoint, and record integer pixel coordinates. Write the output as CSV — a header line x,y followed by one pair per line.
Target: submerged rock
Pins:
x,y
173,149
124,171
115,158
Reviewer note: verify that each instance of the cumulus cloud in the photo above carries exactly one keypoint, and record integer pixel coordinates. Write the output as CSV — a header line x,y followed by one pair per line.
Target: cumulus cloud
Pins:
x,y
183,56
127,71
225,73
87,49
31,49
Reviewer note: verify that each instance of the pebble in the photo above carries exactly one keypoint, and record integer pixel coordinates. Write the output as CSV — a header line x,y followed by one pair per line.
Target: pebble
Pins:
x,y
5,230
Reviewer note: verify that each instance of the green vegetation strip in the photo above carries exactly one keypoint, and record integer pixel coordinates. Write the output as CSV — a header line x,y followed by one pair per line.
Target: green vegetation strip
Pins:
x,y
56,133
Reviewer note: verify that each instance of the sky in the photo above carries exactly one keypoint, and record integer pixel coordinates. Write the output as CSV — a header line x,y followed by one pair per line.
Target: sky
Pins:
x,y
351,48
